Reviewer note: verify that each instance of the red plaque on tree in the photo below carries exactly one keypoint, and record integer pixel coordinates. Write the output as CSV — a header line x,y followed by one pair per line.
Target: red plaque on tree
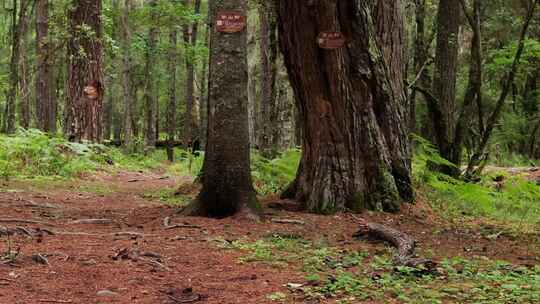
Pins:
x,y
331,40
230,21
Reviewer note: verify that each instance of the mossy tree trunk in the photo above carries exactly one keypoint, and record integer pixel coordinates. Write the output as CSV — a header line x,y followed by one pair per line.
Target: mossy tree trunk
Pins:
x,y
227,186
352,103
85,74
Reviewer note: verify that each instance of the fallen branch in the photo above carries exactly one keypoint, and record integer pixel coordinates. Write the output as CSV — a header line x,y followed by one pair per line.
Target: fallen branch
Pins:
x,y
22,221
182,226
287,221
404,243
92,222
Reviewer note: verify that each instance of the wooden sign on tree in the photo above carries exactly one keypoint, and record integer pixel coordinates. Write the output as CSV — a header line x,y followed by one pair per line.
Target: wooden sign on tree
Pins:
x,y
230,21
331,40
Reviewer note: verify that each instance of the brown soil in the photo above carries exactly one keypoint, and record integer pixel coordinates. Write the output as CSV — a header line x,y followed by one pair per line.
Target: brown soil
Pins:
x,y
150,261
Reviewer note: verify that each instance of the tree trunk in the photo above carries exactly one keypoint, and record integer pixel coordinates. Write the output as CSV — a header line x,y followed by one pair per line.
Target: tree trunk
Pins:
x,y
190,39
480,152
127,90
268,53
474,86
444,79
85,74
353,106
227,186
18,25
203,106
25,72
171,109
45,95
420,58
150,81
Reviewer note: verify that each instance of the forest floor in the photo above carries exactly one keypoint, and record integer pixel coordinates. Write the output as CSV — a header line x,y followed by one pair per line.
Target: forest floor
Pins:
x,y
117,238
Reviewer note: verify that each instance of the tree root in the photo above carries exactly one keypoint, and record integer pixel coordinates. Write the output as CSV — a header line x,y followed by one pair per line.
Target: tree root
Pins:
x,y
404,244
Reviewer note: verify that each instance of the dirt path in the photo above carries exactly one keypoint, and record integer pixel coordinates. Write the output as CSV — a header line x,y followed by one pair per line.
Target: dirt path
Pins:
x,y
105,240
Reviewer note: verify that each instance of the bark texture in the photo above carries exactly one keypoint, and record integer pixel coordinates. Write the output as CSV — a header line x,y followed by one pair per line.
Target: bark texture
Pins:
x,y
85,75
444,79
190,39
171,107
45,94
227,186
150,92
127,90
352,104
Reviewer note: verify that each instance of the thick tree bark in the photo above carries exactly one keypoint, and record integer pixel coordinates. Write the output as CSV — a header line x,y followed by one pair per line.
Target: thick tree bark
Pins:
x,y
444,80
128,99
45,94
352,102
268,53
150,92
171,108
190,121
85,75
227,186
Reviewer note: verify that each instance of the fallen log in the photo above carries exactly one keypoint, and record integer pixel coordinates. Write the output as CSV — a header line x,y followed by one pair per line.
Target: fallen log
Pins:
x,y
404,244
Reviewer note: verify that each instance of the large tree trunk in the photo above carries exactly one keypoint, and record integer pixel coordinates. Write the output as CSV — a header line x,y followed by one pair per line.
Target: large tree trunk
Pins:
x,y
227,185
171,108
127,90
45,95
190,39
444,80
268,53
150,92
85,74
356,151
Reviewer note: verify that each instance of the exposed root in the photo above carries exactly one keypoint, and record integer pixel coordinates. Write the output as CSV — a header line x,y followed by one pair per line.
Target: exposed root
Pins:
x,y
404,244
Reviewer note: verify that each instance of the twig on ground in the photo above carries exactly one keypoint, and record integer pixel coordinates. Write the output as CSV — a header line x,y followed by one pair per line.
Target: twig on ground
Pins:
x,y
287,221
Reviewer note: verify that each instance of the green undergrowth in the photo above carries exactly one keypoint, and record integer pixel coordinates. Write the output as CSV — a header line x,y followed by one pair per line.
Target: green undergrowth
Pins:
x,y
358,276
31,154
514,201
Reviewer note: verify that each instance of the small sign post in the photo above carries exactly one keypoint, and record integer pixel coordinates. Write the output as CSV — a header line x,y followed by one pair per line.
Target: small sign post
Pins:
x,y
230,21
331,40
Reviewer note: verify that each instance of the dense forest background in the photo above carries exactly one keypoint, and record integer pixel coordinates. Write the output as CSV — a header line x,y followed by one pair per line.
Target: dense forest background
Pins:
x,y
162,48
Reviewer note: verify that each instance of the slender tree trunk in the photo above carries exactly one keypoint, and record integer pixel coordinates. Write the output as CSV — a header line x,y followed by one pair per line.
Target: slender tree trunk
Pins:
x,y
474,86
190,39
18,24
45,94
420,58
171,109
444,79
268,52
150,82
480,153
127,90
203,107
356,150
227,185
85,74
25,72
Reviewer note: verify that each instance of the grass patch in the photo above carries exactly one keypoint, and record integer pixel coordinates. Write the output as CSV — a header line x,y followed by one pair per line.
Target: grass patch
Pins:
x,y
514,204
166,196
